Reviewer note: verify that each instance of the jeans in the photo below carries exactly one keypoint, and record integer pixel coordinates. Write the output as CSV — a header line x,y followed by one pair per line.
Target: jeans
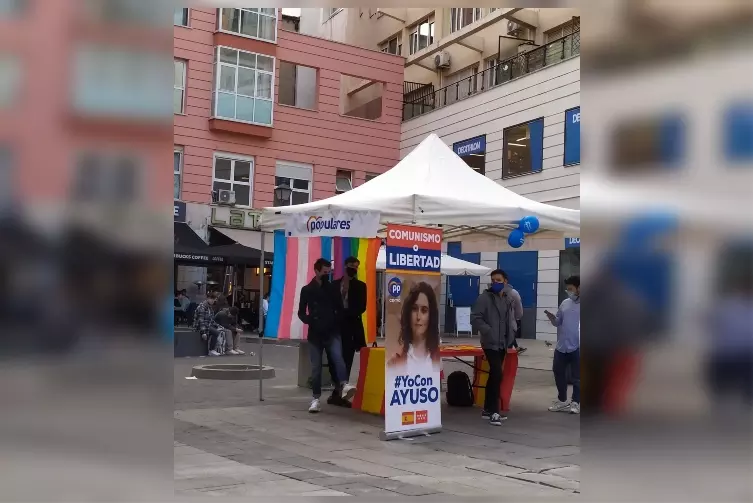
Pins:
x,y
349,353
333,346
559,367
491,397
214,333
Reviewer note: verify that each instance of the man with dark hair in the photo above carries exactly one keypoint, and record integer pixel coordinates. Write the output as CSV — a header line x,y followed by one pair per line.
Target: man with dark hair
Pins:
x,y
518,311
320,308
227,318
207,327
494,316
567,352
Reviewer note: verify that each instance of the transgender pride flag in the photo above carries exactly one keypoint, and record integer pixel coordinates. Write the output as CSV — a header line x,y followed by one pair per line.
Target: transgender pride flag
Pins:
x,y
293,268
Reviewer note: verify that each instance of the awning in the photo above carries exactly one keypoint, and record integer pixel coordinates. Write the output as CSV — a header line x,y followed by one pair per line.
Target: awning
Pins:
x,y
247,247
189,247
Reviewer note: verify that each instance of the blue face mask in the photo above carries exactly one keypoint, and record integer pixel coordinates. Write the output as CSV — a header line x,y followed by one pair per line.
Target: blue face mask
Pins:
x,y
497,287
572,295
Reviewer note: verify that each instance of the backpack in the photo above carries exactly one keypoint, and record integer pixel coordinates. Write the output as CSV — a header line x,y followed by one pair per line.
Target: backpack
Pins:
x,y
459,390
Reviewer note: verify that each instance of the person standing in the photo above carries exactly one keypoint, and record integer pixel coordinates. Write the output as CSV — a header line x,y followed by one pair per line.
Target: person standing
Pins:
x,y
494,316
207,327
319,308
567,351
264,312
515,295
353,295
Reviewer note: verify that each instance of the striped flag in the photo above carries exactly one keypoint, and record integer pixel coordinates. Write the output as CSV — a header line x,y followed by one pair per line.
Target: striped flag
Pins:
x,y
366,251
293,268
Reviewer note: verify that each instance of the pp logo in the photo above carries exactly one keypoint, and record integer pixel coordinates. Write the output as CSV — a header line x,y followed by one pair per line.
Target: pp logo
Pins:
x,y
394,287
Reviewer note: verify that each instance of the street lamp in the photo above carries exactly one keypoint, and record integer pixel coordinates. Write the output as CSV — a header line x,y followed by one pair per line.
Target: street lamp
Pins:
x,y
282,194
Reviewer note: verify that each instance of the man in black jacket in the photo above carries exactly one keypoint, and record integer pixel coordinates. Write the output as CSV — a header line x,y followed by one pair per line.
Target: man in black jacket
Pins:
x,y
320,308
352,293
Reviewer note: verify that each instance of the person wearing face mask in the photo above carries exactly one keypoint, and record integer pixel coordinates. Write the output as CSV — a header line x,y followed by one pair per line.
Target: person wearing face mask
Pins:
x,y
494,315
567,351
320,308
353,298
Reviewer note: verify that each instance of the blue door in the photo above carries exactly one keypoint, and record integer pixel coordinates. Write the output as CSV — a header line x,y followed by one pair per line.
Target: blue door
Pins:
x,y
522,268
461,290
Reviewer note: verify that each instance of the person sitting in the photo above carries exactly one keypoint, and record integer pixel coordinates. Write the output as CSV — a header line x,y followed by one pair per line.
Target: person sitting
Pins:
x,y
227,318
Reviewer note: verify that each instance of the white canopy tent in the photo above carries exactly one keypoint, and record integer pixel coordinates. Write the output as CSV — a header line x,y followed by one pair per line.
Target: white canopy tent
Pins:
x,y
433,186
450,266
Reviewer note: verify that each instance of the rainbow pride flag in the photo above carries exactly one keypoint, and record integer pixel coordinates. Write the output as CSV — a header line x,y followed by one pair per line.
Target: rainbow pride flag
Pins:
x,y
366,250
293,268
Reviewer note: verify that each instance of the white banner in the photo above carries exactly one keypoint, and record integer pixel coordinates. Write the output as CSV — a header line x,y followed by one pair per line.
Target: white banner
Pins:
x,y
346,224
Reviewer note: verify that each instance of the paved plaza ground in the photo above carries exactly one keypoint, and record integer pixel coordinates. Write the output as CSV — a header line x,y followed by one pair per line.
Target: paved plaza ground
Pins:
x,y
228,443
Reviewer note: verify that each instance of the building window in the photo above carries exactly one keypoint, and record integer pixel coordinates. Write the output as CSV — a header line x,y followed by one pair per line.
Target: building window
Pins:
x,y
523,148
392,46
297,86
104,177
422,35
343,181
252,22
648,144
177,170
234,173
562,30
572,136
473,152
10,8
179,86
738,132
180,18
298,178
243,86
371,176
460,18
330,11
10,79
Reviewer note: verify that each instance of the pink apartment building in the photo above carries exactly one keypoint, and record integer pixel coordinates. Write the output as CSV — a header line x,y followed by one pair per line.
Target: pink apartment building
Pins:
x,y
258,106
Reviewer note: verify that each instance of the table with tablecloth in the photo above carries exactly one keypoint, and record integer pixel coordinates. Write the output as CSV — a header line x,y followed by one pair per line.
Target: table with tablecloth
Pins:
x,y
370,388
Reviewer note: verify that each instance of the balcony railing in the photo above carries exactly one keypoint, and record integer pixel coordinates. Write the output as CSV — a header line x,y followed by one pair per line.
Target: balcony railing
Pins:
x,y
501,73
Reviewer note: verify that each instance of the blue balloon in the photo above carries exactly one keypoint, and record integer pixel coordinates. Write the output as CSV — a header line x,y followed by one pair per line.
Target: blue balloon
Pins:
x,y
529,224
516,238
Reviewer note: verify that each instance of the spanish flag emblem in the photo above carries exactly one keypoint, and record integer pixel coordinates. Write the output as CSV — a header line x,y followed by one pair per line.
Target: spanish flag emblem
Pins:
x,y
408,418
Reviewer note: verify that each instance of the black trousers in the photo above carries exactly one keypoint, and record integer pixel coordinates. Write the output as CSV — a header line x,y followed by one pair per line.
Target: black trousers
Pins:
x,y
491,397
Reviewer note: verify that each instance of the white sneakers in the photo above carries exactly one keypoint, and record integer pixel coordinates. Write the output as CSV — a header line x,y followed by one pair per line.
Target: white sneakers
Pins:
x,y
572,408
348,391
213,353
239,352
232,352
558,406
315,406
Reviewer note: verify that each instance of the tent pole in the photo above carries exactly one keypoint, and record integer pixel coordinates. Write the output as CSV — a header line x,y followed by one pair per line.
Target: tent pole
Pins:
x,y
384,301
261,320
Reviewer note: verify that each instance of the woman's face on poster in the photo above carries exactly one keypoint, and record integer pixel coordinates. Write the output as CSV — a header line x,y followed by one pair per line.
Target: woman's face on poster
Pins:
x,y
420,316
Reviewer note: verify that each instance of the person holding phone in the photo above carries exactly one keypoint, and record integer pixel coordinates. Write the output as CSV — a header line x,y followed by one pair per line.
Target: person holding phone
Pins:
x,y
567,351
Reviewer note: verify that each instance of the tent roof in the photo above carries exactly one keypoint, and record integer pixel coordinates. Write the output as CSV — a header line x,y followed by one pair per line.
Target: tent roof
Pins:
x,y
433,186
450,266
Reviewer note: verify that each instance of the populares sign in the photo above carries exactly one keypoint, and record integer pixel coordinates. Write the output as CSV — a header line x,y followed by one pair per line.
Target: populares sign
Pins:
x,y
352,224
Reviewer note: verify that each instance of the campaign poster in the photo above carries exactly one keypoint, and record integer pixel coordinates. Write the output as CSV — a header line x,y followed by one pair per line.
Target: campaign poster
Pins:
x,y
412,389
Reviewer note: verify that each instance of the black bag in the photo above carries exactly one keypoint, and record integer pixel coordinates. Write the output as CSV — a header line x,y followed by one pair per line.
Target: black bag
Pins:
x,y
459,390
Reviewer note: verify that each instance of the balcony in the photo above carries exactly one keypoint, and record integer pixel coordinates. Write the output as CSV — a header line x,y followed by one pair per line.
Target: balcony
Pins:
x,y
419,99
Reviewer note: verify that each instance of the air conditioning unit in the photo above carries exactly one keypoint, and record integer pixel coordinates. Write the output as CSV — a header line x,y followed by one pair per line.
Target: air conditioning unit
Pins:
x,y
513,28
226,197
442,60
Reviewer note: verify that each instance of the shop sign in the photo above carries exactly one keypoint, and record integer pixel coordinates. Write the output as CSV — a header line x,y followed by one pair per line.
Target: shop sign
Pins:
x,y
572,242
236,218
572,136
179,211
475,145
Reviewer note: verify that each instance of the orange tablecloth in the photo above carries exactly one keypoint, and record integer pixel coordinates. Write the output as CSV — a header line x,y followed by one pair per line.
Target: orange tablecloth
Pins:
x,y
370,388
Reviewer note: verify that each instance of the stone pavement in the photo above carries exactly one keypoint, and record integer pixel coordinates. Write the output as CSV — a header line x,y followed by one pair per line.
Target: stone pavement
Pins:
x,y
227,443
